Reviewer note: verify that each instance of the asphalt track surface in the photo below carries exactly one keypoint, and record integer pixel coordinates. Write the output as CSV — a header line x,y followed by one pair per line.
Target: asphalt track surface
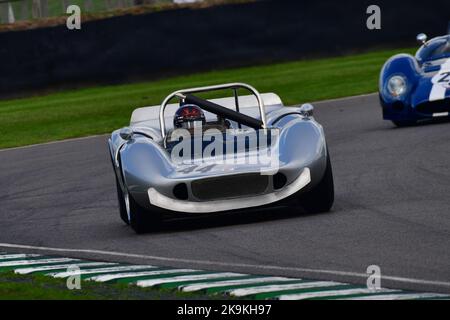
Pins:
x,y
392,209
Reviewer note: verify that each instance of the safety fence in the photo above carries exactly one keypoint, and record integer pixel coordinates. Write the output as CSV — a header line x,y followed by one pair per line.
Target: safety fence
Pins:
x,y
12,11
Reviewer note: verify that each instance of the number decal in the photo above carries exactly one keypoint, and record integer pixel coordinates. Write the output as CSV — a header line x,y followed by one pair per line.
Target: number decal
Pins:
x,y
440,82
205,168
187,170
445,78
196,168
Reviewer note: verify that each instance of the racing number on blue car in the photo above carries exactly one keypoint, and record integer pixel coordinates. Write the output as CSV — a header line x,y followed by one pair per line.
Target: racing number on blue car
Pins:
x,y
445,78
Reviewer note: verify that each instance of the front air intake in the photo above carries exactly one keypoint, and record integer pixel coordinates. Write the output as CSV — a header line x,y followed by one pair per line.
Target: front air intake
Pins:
x,y
180,191
279,181
434,107
230,186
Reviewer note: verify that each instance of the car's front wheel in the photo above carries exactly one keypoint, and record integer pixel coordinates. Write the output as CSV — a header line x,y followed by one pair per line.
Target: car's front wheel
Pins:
x,y
122,204
139,218
143,220
321,198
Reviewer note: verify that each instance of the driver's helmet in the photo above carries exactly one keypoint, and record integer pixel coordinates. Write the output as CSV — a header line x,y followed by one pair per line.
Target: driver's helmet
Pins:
x,y
189,116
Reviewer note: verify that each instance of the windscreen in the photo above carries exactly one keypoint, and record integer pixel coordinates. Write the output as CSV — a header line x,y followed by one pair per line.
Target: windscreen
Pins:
x,y
437,49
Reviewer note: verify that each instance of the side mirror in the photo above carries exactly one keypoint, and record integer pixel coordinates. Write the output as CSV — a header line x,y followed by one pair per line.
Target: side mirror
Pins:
x,y
422,38
307,110
126,133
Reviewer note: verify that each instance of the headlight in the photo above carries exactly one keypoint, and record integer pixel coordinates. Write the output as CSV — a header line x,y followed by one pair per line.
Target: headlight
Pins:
x,y
396,86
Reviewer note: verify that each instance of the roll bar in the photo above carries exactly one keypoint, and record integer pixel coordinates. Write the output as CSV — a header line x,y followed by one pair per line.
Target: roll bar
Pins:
x,y
234,86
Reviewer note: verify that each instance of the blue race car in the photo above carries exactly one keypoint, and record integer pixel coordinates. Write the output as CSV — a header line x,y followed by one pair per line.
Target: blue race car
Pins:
x,y
415,89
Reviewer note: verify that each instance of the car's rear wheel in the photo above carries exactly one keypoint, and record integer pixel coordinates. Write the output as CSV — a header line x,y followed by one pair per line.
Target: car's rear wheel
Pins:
x,y
143,220
321,198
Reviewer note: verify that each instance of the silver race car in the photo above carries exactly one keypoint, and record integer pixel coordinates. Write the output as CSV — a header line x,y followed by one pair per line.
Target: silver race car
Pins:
x,y
200,156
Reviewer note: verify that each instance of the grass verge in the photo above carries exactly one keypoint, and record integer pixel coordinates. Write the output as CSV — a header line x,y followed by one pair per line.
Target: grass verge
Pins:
x,y
97,110
40,287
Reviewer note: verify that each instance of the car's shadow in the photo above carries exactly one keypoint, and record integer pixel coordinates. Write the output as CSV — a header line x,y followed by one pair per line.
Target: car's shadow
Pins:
x,y
217,220
423,123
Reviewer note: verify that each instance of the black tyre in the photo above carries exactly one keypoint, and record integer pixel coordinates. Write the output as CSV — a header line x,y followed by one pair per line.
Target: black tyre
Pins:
x,y
122,204
402,124
143,220
321,198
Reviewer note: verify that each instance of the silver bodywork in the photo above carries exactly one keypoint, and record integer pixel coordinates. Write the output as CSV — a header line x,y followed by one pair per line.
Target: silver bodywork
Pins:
x,y
146,171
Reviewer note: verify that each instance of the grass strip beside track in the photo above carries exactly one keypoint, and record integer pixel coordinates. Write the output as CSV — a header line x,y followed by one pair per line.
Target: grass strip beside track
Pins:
x,y
97,110
42,278
40,287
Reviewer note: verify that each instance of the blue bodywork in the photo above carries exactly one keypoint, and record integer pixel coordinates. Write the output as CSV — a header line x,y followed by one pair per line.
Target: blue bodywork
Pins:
x,y
427,94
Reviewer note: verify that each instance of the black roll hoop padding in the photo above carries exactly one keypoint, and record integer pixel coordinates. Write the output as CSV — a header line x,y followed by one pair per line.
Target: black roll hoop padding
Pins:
x,y
224,112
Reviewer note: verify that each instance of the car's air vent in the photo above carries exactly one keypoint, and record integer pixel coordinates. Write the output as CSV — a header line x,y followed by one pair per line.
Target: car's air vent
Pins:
x,y
434,107
180,191
279,181
398,105
230,186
